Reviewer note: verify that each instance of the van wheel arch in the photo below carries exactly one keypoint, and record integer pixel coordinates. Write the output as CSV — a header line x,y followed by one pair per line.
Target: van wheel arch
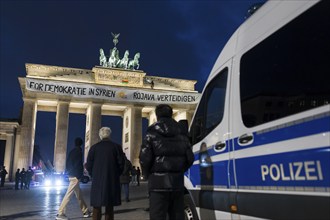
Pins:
x,y
189,208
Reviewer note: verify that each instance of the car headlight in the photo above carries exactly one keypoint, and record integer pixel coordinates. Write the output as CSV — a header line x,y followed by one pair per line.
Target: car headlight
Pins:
x,y
58,182
48,182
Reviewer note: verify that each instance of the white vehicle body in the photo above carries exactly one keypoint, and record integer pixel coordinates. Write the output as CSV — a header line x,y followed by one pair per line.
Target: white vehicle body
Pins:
x,y
261,132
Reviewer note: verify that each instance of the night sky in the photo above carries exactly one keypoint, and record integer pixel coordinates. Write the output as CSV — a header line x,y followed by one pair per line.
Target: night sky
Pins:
x,y
177,39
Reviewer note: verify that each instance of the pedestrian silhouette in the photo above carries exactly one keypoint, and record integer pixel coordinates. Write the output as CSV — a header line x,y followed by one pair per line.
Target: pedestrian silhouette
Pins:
x,y
125,178
75,169
17,179
23,178
138,175
134,181
29,175
3,174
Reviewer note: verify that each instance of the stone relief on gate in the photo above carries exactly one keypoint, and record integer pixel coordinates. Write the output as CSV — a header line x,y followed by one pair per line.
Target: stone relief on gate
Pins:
x,y
115,61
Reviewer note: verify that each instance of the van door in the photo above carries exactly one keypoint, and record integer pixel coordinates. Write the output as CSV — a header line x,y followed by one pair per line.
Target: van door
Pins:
x,y
209,130
280,120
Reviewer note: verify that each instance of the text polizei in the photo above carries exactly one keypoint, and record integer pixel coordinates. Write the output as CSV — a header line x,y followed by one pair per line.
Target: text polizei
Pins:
x,y
293,171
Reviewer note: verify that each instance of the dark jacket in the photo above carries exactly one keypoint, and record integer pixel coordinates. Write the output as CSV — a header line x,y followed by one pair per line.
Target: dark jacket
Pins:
x,y
74,163
17,176
105,163
29,174
22,174
165,155
125,176
3,173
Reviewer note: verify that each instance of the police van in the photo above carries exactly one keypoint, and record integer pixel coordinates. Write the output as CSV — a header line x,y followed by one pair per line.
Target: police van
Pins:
x,y
261,132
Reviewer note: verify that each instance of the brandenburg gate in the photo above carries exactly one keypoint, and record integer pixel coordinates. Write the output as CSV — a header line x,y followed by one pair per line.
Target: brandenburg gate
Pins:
x,y
108,89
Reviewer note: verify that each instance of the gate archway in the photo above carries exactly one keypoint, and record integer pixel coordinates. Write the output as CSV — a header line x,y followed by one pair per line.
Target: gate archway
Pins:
x,y
130,94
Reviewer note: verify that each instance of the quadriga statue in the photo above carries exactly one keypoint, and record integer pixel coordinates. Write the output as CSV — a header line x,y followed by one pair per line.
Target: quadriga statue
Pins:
x,y
124,61
135,62
114,58
103,59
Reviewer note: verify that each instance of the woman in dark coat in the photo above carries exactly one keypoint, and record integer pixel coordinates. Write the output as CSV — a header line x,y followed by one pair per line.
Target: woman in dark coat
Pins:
x,y
105,163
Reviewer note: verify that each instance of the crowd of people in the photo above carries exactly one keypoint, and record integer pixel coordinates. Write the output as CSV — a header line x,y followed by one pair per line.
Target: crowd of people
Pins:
x,y
111,172
23,178
163,164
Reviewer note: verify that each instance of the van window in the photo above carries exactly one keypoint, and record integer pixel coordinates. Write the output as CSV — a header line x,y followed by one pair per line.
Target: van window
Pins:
x,y
288,72
211,108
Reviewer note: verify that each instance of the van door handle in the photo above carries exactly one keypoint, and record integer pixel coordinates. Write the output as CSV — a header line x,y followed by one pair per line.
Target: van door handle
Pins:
x,y
220,145
245,139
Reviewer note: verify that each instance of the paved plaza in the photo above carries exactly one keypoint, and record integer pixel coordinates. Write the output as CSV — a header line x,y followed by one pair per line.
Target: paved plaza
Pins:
x,y
42,203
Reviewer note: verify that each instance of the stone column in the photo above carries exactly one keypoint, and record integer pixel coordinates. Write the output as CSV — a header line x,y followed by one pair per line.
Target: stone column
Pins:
x,y
16,150
152,117
180,115
28,126
93,125
9,152
61,136
132,133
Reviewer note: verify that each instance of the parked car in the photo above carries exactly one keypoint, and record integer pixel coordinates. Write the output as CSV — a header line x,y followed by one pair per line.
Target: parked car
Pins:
x,y
38,176
56,179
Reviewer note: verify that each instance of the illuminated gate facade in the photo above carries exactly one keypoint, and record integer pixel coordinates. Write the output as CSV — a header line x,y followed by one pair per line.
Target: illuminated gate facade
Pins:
x,y
130,94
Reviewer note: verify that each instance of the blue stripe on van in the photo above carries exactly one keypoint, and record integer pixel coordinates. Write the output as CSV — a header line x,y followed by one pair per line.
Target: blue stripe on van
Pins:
x,y
248,169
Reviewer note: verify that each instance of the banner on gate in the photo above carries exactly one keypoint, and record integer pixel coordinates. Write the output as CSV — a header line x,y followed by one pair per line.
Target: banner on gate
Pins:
x,y
110,93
